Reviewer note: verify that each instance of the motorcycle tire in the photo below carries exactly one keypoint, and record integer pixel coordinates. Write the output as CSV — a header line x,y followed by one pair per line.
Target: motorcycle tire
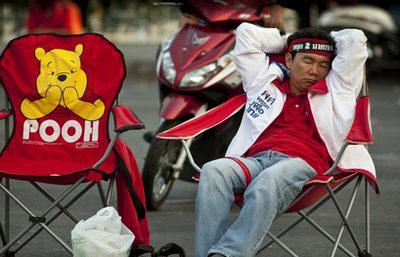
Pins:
x,y
157,172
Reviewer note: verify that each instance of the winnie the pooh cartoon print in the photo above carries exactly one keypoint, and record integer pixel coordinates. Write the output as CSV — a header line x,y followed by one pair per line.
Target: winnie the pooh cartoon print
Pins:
x,y
61,82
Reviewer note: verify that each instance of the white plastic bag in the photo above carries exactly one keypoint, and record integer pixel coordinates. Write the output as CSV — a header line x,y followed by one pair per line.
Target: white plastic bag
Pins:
x,y
102,235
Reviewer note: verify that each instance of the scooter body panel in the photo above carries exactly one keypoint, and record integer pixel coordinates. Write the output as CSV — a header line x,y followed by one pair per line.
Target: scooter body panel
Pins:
x,y
176,106
196,46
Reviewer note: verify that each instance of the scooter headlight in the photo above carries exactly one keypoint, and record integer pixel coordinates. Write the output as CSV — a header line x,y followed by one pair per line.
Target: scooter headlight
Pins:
x,y
167,42
226,60
164,59
168,67
199,76
202,75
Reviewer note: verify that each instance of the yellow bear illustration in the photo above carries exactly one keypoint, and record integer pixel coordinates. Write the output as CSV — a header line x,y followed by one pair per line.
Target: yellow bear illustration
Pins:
x,y
61,82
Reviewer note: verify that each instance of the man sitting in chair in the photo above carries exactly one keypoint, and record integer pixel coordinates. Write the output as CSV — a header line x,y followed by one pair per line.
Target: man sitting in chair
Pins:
x,y
295,120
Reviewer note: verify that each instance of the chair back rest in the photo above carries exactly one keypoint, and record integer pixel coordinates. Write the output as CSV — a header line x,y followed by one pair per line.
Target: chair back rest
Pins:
x,y
361,130
61,90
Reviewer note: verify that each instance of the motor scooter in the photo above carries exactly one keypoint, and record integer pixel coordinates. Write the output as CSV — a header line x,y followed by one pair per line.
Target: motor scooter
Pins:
x,y
196,72
378,26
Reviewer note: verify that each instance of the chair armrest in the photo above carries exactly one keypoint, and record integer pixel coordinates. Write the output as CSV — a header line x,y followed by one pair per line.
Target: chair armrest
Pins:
x,y
205,121
4,114
125,119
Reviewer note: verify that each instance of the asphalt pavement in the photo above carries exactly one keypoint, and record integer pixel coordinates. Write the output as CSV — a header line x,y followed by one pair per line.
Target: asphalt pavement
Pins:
x,y
174,222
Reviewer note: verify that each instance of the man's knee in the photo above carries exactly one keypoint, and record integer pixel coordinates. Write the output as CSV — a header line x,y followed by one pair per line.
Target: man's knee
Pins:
x,y
220,173
213,171
211,165
299,167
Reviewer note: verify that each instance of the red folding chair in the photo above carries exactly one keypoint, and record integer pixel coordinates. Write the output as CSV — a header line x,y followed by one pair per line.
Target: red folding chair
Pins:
x,y
318,190
62,90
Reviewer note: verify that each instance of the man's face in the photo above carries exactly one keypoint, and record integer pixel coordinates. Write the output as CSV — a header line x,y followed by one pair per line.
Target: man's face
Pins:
x,y
305,70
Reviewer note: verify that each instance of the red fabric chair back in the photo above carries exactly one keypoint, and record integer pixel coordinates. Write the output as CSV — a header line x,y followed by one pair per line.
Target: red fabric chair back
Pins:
x,y
61,89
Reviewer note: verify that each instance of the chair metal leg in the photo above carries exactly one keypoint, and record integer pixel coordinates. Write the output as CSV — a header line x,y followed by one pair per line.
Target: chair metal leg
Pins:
x,y
52,218
324,233
20,235
110,191
62,209
48,196
186,145
101,192
106,198
15,239
313,209
367,217
355,190
57,238
6,180
32,216
62,196
7,211
344,216
2,235
281,244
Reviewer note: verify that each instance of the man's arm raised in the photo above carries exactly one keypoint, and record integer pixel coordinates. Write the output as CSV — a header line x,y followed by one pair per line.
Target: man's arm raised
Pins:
x,y
252,44
347,71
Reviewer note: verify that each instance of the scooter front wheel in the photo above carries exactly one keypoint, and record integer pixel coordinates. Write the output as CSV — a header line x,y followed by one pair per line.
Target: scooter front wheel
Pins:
x,y
158,171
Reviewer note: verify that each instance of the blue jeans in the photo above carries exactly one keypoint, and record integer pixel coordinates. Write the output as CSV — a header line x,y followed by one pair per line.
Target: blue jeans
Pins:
x,y
276,180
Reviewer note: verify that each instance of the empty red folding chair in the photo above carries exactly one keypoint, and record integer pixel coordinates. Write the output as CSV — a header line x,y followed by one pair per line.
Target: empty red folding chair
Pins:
x,y
318,190
62,91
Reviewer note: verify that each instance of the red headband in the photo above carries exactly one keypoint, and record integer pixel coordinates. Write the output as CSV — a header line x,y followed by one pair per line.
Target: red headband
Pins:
x,y
312,45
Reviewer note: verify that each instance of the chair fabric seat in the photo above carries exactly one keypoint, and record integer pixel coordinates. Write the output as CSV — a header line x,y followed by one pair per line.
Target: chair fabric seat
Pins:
x,y
313,191
52,172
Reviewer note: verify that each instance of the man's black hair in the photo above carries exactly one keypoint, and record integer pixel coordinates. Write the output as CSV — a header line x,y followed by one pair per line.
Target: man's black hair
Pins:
x,y
310,33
